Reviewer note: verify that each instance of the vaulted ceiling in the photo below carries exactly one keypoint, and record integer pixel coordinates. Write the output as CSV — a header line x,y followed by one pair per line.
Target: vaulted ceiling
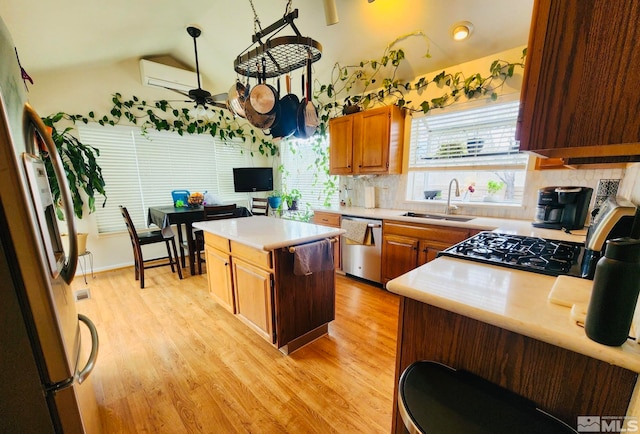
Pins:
x,y
74,33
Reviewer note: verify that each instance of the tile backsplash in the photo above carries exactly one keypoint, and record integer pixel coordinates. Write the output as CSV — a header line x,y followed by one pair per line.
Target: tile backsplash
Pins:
x,y
390,190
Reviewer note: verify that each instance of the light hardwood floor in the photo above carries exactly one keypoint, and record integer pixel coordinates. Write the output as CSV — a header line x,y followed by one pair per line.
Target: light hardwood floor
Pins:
x,y
172,361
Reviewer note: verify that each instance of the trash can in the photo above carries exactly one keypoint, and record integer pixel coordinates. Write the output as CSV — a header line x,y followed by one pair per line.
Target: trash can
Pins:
x,y
436,399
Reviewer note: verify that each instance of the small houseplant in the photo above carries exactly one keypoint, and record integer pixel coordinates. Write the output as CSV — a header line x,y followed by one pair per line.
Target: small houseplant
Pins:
x,y
292,198
275,200
493,188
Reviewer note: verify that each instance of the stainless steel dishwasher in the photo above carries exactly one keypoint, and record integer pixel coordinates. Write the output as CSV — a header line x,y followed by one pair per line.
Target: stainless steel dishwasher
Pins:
x,y
361,260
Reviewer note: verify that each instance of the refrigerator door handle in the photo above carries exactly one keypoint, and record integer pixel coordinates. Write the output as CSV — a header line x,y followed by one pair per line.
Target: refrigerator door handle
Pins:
x,y
84,372
31,118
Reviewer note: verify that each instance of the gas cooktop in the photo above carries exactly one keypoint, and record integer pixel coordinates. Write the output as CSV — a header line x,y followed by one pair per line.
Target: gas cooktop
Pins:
x,y
538,255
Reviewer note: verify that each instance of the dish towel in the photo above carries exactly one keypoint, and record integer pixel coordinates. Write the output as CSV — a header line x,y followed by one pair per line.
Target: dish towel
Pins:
x,y
312,258
357,232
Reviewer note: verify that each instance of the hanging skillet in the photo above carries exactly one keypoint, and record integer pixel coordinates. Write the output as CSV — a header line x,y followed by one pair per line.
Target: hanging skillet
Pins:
x,y
287,120
306,127
258,120
264,98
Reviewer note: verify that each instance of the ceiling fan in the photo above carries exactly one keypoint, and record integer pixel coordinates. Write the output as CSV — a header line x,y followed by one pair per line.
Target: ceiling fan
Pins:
x,y
200,96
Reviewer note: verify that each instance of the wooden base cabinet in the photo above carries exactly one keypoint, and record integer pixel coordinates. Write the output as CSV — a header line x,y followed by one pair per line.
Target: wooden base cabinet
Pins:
x,y
254,297
406,246
218,258
219,276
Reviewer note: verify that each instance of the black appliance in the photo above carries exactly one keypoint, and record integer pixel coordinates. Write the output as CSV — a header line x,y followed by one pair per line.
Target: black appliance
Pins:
x,y
617,218
250,179
562,207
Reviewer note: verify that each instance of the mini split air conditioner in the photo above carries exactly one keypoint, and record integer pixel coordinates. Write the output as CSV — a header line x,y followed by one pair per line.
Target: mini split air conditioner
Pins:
x,y
158,75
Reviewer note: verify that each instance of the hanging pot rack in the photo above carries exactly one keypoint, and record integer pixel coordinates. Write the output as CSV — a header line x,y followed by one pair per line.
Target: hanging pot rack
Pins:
x,y
283,54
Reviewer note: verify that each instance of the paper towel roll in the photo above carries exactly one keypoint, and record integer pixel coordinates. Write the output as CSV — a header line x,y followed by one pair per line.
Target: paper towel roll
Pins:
x,y
369,197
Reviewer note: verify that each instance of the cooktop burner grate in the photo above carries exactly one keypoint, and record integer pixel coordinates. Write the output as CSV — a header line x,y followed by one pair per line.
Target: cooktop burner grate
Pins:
x,y
539,255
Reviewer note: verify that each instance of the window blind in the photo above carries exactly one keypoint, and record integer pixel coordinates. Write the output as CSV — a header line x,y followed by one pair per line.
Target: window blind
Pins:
x,y
141,170
301,166
472,138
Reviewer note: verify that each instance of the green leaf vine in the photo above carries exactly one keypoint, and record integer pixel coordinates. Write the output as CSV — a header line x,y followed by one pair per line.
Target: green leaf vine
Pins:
x,y
162,116
352,85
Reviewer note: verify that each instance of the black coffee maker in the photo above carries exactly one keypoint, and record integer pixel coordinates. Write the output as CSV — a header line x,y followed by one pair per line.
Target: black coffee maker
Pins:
x,y
562,207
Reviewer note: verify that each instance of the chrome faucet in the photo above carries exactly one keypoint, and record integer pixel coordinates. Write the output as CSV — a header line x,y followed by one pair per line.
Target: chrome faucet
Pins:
x,y
450,207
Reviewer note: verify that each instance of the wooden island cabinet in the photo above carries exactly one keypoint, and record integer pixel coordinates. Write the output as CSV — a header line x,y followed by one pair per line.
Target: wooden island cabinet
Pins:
x,y
579,98
250,264
368,142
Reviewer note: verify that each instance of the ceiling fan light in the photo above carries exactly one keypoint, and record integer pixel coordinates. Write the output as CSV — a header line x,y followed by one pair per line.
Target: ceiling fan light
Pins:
x,y
461,30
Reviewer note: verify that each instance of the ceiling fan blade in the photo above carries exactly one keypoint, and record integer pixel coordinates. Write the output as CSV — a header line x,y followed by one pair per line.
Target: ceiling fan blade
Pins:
x,y
220,97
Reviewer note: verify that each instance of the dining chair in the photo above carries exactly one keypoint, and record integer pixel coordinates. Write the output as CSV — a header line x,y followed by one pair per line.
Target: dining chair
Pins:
x,y
259,206
216,212
142,239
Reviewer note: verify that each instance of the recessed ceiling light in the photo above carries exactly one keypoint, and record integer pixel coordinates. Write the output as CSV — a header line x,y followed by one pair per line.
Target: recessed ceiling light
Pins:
x,y
461,30
371,1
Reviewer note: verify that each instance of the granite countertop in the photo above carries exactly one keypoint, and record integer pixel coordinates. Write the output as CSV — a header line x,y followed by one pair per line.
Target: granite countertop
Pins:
x,y
267,233
511,299
507,226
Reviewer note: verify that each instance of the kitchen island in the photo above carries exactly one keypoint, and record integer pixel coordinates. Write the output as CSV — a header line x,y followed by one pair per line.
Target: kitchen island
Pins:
x,y
498,323
250,268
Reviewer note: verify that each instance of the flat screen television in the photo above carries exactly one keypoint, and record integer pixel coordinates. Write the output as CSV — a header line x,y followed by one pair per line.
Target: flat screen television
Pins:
x,y
249,179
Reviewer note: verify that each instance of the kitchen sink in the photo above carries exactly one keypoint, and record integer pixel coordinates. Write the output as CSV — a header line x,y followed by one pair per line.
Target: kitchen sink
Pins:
x,y
438,216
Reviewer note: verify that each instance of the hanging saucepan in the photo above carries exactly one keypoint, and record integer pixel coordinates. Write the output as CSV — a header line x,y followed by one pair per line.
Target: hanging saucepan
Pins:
x,y
307,113
258,120
264,98
235,99
286,122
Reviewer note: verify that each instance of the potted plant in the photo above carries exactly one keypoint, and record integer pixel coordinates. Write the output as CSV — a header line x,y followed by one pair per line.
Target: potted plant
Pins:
x,y
275,200
493,188
292,199
81,166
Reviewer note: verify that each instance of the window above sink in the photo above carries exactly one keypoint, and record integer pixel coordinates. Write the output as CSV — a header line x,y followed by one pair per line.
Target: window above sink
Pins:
x,y
476,145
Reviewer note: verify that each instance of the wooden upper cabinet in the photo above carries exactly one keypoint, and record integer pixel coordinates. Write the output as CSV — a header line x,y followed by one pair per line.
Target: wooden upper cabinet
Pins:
x,y
368,142
341,147
580,98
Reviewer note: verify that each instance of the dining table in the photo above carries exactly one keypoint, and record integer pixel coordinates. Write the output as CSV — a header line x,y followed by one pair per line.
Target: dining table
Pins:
x,y
183,218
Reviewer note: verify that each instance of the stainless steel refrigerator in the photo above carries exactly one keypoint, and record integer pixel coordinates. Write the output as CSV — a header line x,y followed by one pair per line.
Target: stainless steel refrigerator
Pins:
x,y
45,360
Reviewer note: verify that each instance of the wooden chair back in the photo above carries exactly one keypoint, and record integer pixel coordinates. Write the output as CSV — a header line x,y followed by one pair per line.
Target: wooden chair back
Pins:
x,y
218,212
259,206
133,234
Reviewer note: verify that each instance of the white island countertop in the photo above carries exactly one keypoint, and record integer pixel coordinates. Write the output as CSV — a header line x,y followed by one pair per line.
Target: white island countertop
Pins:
x,y
511,299
267,233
